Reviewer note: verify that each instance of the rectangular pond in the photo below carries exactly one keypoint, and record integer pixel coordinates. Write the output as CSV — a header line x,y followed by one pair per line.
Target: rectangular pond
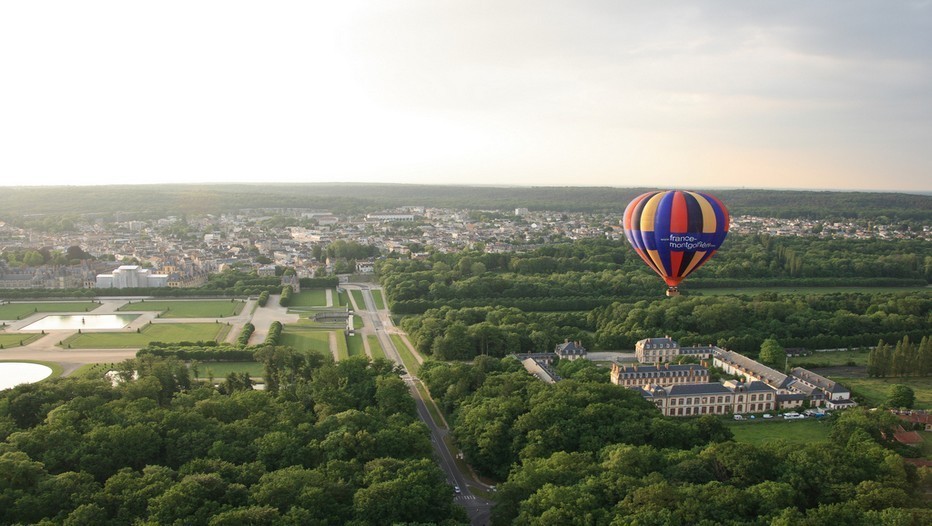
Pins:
x,y
84,321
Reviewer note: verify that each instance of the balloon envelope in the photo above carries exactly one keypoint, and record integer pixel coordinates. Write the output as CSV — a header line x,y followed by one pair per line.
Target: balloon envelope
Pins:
x,y
675,232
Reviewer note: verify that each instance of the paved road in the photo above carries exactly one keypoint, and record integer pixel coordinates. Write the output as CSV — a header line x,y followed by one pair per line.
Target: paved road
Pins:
x,y
478,508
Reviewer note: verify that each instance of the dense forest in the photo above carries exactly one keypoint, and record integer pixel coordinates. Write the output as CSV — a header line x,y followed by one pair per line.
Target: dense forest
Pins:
x,y
52,206
328,443
585,452
599,292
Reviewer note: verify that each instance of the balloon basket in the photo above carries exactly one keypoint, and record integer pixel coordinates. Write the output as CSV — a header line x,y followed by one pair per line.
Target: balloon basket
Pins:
x,y
673,291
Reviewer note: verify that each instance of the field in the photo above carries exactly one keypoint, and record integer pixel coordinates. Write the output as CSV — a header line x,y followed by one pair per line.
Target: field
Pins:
x,y
355,346
829,359
219,370
341,299
13,340
15,311
160,332
875,391
795,431
357,297
342,349
309,298
379,299
375,347
305,339
753,291
188,309
407,357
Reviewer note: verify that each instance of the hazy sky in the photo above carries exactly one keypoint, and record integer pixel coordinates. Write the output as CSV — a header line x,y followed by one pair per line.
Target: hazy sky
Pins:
x,y
697,94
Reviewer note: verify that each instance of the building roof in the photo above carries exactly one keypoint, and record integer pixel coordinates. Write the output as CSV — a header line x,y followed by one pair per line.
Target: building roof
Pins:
x,y
697,389
626,369
909,438
773,377
756,387
570,348
658,341
819,381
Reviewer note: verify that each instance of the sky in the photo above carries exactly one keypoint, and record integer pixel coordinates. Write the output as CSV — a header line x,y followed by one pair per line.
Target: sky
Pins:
x,y
833,94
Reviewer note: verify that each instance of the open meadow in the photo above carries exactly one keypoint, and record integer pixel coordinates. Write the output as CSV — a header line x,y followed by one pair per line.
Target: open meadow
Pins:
x,y
188,309
876,391
15,311
758,431
830,359
159,332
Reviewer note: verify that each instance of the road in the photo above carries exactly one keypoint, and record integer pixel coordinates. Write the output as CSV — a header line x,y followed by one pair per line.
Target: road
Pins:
x,y
478,508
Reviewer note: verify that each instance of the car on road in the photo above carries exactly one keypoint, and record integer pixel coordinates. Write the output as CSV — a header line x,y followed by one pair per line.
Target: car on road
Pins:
x,y
456,489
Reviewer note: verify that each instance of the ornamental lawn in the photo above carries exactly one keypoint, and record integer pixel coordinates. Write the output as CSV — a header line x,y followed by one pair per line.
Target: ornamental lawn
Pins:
x,y
304,339
12,340
309,298
358,299
188,309
375,347
354,345
379,300
15,311
157,332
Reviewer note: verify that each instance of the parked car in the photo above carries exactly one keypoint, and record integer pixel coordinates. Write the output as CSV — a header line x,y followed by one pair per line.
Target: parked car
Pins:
x,y
767,415
793,416
739,417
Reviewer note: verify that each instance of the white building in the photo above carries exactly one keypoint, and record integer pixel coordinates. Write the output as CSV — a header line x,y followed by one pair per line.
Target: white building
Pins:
x,y
131,276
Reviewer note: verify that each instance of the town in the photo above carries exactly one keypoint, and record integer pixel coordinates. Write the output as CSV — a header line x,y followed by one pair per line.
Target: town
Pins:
x,y
180,251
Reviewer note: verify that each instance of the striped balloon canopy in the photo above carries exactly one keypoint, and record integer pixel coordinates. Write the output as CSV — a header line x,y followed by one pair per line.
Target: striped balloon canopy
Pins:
x,y
675,232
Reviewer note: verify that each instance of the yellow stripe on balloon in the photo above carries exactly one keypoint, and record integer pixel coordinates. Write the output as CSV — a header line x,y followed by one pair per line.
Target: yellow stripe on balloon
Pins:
x,y
697,257
650,209
708,213
655,257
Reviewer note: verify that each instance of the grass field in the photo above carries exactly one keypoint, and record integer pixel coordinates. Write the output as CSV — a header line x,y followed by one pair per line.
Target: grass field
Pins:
x,y
309,298
341,299
15,311
876,391
306,339
354,345
793,431
828,359
375,347
342,349
188,309
160,332
753,291
379,299
358,323
357,297
13,340
407,357
219,370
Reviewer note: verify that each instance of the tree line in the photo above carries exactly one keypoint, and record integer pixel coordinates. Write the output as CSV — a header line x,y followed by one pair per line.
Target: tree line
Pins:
x,y
903,359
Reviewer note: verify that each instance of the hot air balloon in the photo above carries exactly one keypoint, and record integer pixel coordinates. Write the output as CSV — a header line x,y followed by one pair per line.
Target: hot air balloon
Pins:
x,y
675,231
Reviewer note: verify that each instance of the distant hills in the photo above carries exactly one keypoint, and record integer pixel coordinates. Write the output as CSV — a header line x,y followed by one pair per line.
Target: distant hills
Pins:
x,y
348,198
